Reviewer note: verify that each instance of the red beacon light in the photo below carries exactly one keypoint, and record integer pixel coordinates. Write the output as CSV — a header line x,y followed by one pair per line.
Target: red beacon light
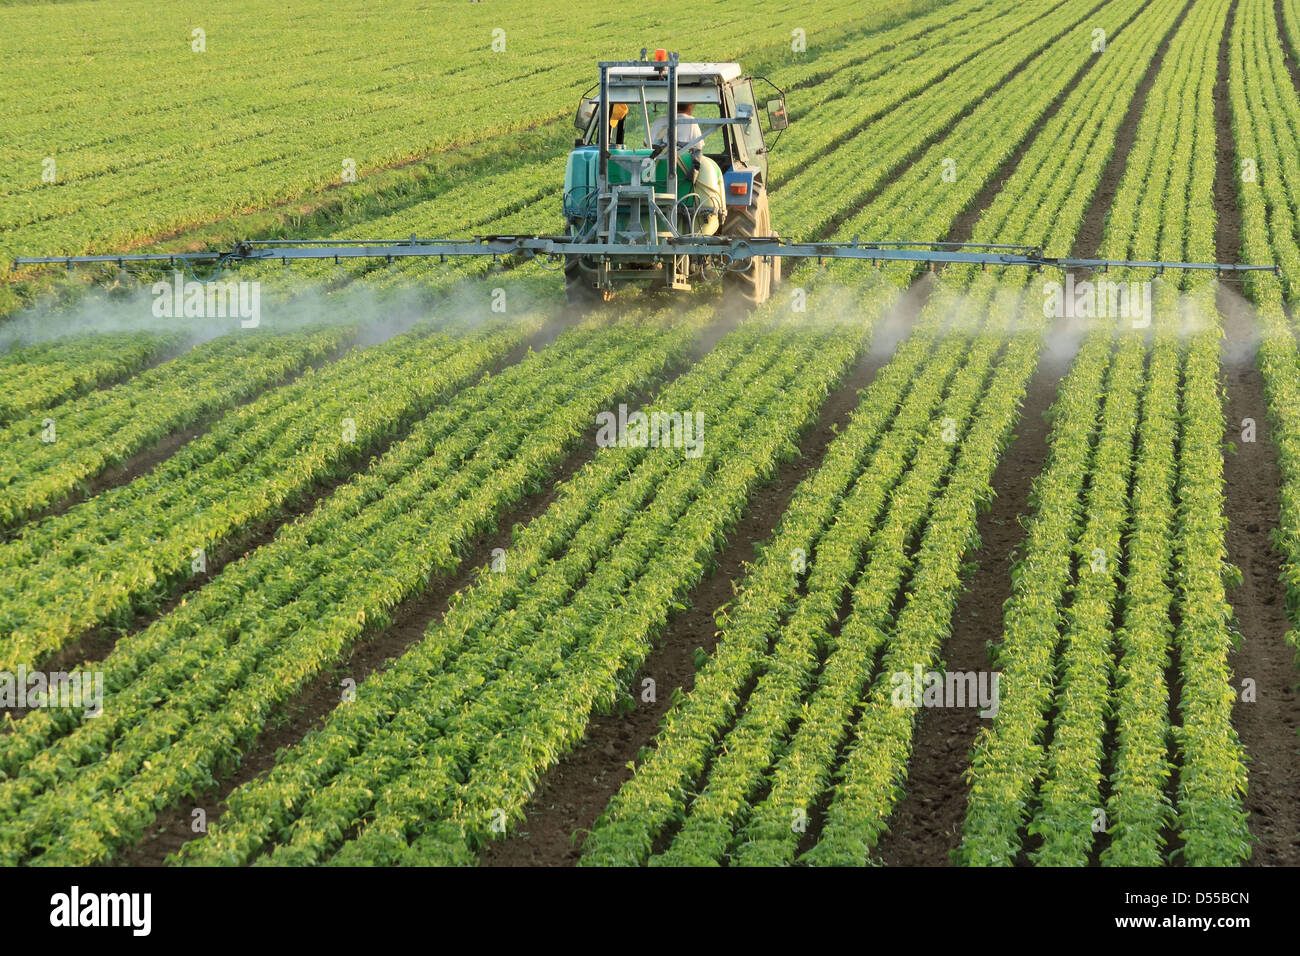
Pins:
x,y
661,56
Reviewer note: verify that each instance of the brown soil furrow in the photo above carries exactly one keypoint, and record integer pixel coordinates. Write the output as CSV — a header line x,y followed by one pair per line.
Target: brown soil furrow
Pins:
x,y
573,793
1089,238
926,824
1268,726
1289,53
410,622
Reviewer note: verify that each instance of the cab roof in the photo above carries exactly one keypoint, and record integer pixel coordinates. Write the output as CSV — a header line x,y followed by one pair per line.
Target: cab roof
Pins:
x,y
686,72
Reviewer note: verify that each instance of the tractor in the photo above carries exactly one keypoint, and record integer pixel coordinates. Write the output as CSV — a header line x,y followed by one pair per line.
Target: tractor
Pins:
x,y
636,180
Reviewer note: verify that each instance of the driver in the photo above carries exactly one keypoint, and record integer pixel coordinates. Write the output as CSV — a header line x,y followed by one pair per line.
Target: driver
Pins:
x,y
617,114
689,138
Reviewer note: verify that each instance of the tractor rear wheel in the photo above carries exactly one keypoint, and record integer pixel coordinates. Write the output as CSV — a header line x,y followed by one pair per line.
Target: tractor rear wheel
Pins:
x,y
578,288
751,287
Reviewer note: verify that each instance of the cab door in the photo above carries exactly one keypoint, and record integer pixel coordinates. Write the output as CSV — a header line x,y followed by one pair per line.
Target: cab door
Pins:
x,y
751,149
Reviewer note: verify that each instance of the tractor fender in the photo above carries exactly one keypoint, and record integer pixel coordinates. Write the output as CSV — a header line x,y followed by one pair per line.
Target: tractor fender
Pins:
x,y
739,188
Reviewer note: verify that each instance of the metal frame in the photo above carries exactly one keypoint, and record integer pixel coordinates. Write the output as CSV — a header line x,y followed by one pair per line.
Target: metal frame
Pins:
x,y
734,252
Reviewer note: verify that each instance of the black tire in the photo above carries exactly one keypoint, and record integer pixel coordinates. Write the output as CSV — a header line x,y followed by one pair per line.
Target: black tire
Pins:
x,y
578,288
748,288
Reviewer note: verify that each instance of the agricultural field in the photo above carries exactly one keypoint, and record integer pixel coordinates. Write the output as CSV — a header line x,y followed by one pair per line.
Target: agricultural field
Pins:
x,y
453,560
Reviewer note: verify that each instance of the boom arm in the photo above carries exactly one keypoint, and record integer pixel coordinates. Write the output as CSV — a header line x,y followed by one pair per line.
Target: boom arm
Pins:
x,y
732,252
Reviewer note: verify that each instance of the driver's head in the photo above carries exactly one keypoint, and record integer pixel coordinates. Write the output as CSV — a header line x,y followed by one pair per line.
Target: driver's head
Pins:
x,y
687,108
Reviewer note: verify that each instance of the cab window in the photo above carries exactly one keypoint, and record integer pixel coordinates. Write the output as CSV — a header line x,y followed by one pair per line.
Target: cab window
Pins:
x,y
750,132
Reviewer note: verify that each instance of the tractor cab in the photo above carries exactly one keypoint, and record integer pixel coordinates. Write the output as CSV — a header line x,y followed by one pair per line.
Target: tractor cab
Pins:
x,y
623,189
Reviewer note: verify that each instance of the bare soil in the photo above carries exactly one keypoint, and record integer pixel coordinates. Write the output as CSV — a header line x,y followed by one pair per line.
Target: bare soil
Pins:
x,y
1268,726
926,825
574,793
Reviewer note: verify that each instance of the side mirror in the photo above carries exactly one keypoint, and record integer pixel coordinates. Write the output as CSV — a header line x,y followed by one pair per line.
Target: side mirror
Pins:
x,y
776,117
586,111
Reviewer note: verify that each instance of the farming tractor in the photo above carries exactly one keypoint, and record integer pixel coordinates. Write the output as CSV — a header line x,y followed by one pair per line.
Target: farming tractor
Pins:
x,y
636,179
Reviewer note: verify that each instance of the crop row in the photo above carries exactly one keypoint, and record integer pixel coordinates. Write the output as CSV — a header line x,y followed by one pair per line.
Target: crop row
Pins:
x,y
745,754
39,377
1009,752
252,637
1212,775
48,458
130,547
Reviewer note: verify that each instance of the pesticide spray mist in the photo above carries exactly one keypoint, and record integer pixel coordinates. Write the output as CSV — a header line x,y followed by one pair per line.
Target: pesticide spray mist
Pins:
x,y
204,311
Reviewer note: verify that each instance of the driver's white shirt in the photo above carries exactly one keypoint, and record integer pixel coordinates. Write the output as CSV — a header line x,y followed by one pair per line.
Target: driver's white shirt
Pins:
x,y
688,132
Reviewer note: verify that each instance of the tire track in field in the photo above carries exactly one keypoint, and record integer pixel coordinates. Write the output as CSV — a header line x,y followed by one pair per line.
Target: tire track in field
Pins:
x,y
926,825
1251,504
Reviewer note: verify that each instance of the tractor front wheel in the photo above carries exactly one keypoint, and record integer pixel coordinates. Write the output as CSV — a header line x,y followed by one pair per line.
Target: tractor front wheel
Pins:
x,y
750,287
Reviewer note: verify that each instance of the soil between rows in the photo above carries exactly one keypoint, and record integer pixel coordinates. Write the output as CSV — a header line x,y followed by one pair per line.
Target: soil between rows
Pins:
x,y
574,792
1267,727
926,825
410,621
